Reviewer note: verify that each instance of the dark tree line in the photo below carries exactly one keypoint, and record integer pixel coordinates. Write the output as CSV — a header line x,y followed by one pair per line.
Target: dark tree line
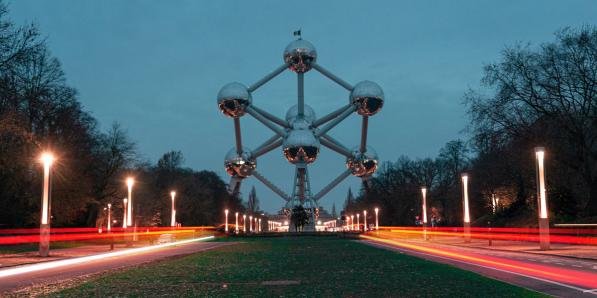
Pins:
x,y
534,96
39,111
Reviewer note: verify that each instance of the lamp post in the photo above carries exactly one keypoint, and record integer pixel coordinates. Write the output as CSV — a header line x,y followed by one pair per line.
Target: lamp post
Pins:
x,y
365,221
173,220
259,225
44,229
109,217
226,228
352,222
358,222
493,203
542,199
124,202
467,217
251,223
236,223
424,213
129,213
245,223
377,219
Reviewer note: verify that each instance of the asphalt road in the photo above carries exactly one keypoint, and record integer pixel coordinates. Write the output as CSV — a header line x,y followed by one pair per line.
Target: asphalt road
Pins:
x,y
558,276
77,272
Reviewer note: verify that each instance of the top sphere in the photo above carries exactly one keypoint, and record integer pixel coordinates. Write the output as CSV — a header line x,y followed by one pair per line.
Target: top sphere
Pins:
x,y
368,96
233,98
299,55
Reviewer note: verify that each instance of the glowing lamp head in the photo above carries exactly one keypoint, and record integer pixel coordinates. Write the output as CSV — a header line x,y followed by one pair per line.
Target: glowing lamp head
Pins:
x,y
109,205
226,211
424,190
236,214
540,153
173,194
464,177
376,210
125,200
130,181
47,158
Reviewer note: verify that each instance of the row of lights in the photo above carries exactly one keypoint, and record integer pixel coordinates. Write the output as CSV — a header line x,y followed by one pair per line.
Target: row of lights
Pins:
x,y
350,226
252,228
541,197
47,160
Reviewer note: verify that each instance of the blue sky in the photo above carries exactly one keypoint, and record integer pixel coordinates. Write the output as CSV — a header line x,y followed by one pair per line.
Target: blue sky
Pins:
x,y
156,67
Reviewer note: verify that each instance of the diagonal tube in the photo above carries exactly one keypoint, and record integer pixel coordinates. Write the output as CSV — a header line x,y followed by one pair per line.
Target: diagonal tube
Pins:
x,y
332,77
333,184
327,143
265,122
269,145
271,186
330,116
336,121
268,77
271,117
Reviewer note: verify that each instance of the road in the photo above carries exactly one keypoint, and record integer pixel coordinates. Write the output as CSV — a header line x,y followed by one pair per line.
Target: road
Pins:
x,y
77,272
558,276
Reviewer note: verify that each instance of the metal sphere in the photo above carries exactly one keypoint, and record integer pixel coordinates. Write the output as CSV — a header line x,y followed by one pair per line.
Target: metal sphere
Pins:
x,y
363,164
301,145
242,165
308,114
368,97
233,99
300,54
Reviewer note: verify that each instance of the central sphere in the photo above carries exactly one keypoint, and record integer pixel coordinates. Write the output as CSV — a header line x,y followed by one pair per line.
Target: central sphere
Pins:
x,y
233,99
301,145
362,164
242,165
308,114
300,55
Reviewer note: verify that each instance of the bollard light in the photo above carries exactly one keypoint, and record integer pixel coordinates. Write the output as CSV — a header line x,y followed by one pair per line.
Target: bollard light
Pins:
x,y
226,228
173,220
542,199
129,214
376,219
47,160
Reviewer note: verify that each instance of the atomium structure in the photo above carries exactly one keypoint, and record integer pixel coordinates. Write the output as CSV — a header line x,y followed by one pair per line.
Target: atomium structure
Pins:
x,y
301,133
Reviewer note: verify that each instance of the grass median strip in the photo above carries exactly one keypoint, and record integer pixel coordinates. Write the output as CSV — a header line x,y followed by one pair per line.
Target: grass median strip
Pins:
x,y
301,266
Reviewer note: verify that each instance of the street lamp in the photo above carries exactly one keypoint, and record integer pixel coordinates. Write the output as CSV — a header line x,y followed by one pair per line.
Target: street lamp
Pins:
x,y
109,217
352,222
44,232
129,214
358,222
236,223
467,217
376,219
245,223
260,225
226,228
365,220
542,199
173,220
251,223
124,206
424,193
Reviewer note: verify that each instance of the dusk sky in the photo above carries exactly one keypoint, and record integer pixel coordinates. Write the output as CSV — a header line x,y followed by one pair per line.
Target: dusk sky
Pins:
x,y
156,67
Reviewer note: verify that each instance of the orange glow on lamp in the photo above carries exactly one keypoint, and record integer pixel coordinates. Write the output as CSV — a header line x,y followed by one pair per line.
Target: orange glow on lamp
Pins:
x,y
465,206
424,193
226,227
377,219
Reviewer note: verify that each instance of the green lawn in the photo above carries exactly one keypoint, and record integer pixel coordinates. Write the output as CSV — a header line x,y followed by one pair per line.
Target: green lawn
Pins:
x,y
324,267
